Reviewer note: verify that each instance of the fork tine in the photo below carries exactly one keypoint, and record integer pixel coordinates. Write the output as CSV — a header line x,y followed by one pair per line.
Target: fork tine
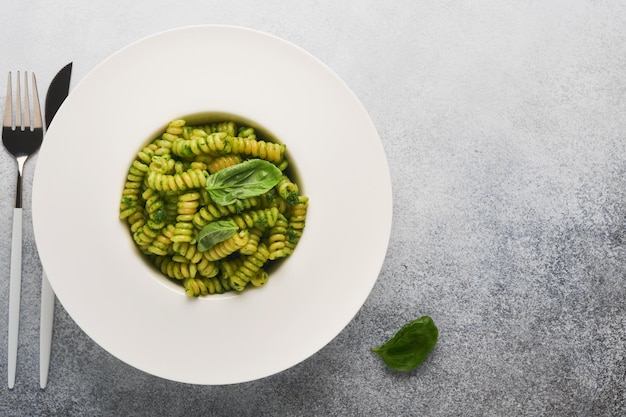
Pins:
x,y
38,122
8,118
26,103
18,104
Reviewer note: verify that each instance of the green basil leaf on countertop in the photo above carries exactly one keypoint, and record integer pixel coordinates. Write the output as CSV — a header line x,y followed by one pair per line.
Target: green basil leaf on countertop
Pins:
x,y
247,179
216,232
408,348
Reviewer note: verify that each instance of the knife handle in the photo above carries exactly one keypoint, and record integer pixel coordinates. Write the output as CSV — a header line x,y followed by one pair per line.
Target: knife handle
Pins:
x,y
45,332
15,287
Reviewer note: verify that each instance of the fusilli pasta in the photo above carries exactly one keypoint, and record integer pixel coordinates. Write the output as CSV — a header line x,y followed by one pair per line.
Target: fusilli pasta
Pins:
x,y
166,207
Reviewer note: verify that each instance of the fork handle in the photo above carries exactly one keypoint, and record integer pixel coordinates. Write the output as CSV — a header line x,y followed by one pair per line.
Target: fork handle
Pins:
x,y
15,287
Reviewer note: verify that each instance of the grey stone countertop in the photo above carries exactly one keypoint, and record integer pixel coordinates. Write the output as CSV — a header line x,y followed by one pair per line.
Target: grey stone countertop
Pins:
x,y
504,124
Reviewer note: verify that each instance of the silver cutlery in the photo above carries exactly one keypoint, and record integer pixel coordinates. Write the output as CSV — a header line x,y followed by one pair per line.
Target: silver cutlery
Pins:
x,y
21,136
58,90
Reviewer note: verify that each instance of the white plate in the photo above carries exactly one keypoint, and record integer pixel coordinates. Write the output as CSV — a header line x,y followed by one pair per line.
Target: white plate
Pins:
x,y
121,302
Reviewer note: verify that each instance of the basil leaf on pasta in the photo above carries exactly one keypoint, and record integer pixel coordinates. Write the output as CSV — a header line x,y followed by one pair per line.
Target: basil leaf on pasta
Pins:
x,y
247,179
215,232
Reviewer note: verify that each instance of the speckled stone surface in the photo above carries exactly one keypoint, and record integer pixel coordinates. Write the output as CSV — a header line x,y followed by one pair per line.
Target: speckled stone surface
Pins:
x,y
504,123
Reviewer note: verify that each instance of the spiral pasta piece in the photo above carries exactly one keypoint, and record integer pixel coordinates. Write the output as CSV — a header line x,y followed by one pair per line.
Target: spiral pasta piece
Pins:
x,y
229,127
195,287
201,165
132,188
170,205
192,178
246,132
164,147
208,214
277,240
136,220
270,151
175,127
144,236
189,251
207,268
203,159
214,143
204,266
128,206
187,206
260,278
262,218
146,225
183,232
212,212
154,208
160,245
298,215
223,162
145,155
253,242
287,190
249,268
175,270
297,222
228,267
162,164
272,199
228,246
137,171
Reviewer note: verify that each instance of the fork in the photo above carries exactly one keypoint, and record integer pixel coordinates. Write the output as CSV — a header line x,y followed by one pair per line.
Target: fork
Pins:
x,y
21,139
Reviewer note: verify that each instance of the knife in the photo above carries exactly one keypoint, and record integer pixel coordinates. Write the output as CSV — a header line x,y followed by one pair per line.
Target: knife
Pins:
x,y
58,90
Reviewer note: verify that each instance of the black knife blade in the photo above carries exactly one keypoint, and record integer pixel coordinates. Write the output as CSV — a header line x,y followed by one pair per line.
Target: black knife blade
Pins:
x,y
58,90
